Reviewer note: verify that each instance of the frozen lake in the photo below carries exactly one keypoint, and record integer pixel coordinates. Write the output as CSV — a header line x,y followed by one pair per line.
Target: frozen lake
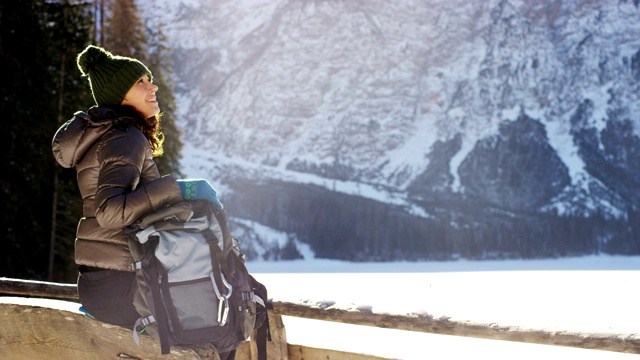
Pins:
x,y
591,294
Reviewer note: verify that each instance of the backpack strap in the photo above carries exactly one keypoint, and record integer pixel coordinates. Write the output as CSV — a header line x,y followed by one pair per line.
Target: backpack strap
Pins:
x,y
263,332
143,321
162,321
252,296
218,256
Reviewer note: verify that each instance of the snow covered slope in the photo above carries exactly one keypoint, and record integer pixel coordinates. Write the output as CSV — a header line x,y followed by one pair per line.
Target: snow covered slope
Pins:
x,y
475,129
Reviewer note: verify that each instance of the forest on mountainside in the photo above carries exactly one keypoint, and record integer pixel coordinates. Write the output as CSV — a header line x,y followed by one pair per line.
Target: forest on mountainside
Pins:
x,y
41,89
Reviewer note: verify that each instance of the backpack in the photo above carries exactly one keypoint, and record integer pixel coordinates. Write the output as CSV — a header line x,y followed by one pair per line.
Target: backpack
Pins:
x,y
192,285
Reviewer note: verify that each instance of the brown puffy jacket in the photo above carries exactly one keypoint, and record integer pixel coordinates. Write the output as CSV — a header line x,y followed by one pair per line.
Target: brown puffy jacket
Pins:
x,y
118,180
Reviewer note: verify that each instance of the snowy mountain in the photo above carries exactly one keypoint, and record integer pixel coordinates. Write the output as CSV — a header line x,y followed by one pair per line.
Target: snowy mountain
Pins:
x,y
439,129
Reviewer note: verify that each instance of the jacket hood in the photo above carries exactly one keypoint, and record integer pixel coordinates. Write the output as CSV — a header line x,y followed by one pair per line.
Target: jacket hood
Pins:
x,y
76,136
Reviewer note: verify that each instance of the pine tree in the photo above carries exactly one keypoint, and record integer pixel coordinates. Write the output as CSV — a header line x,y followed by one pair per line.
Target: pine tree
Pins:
x,y
163,77
35,47
127,36
69,32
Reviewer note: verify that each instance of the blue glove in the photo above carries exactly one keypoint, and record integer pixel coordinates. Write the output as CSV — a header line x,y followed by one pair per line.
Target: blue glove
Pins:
x,y
199,189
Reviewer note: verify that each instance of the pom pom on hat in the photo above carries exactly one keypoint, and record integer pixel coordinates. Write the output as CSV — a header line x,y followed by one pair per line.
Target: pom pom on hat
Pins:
x,y
110,76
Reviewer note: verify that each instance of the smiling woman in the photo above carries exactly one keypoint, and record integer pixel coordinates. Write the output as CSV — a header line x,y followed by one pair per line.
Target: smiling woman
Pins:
x,y
112,147
142,97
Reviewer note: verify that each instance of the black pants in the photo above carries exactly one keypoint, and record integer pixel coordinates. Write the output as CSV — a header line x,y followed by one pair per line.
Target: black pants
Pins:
x,y
106,295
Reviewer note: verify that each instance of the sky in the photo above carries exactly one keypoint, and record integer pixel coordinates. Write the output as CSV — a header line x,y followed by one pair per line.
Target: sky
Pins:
x,y
591,294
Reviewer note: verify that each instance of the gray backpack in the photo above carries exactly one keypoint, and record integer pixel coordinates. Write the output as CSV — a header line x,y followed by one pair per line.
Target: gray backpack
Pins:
x,y
192,286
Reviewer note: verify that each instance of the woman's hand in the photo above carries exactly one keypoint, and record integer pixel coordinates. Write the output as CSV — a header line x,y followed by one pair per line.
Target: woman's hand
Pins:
x,y
199,189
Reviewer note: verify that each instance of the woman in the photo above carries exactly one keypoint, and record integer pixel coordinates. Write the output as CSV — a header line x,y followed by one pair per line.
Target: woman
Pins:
x,y
112,146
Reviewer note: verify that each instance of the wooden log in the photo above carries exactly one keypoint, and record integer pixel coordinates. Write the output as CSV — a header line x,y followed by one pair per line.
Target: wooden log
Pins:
x,y
38,289
625,343
299,352
276,348
33,332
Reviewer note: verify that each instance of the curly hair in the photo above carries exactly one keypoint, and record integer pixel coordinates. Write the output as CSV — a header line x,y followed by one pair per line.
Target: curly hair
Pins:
x,y
151,129
150,126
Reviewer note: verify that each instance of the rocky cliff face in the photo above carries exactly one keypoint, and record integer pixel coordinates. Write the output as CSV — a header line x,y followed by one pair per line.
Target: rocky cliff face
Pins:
x,y
382,130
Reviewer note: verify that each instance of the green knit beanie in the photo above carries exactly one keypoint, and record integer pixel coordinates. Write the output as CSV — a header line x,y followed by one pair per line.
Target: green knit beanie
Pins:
x,y
110,76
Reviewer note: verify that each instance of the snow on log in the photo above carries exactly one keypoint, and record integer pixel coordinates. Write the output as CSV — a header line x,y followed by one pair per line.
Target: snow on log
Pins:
x,y
625,343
